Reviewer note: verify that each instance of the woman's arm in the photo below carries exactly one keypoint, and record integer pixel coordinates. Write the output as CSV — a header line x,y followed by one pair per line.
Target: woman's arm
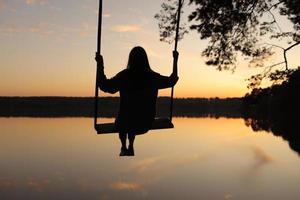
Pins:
x,y
106,85
166,82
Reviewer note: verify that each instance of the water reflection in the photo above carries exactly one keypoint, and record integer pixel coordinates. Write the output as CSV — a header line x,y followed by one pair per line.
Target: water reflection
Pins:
x,y
201,158
286,127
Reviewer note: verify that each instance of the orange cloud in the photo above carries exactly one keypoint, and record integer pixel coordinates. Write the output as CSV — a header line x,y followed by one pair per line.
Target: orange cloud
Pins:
x,y
10,29
126,28
45,29
145,164
106,15
125,186
228,197
32,2
261,157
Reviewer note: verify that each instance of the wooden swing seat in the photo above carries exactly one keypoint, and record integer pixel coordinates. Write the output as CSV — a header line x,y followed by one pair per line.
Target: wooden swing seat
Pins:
x,y
159,123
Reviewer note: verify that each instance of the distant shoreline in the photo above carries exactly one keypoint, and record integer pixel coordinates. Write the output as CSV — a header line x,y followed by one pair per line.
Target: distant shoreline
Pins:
x,y
108,107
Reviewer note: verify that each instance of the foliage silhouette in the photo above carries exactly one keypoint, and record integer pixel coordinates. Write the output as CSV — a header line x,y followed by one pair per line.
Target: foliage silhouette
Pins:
x,y
238,27
286,127
276,109
276,100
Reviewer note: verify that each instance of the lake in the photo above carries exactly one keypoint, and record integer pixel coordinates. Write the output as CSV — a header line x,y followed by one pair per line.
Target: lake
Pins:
x,y
202,158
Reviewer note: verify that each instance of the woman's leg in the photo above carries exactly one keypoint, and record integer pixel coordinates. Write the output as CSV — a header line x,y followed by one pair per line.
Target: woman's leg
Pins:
x,y
123,136
131,138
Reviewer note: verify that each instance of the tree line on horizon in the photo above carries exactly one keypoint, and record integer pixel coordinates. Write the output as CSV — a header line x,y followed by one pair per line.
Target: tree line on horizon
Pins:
x,y
108,107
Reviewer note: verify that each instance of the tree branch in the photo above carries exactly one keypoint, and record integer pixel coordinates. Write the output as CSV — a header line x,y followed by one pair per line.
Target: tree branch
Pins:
x,y
274,20
285,56
274,45
276,4
274,65
297,43
271,7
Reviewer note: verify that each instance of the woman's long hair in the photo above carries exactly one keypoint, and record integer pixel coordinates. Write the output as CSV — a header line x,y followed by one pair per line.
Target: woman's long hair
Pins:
x,y
138,60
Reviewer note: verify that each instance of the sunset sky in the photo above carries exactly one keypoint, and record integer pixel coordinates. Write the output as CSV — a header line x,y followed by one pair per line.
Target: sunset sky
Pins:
x,y
47,48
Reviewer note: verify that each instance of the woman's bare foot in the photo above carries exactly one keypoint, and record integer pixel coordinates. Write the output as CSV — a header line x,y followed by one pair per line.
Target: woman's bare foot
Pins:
x,y
123,151
130,151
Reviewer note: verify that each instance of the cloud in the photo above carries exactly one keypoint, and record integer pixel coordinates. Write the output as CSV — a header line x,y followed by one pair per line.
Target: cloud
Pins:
x,y
153,53
161,163
145,164
12,6
5,184
38,185
45,29
152,170
40,29
10,29
2,5
32,2
83,30
126,28
125,186
261,157
87,30
6,6
228,196
260,160
106,15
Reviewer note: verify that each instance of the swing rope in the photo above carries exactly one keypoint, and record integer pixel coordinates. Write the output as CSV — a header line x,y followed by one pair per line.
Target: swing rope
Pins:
x,y
99,52
180,3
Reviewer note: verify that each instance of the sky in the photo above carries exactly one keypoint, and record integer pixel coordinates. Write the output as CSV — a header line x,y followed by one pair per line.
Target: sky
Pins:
x,y
47,48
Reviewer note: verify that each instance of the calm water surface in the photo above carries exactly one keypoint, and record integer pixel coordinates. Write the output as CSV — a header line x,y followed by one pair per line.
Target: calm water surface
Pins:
x,y
200,159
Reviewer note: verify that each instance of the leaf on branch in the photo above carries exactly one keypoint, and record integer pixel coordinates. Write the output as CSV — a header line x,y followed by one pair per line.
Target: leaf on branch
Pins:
x,y
260,56
167,22
278,76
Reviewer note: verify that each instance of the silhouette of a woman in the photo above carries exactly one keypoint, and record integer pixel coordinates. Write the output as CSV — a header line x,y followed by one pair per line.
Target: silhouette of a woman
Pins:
x,y
138,86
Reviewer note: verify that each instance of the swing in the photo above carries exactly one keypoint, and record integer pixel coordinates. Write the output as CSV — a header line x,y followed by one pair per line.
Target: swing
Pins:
x,y
159,123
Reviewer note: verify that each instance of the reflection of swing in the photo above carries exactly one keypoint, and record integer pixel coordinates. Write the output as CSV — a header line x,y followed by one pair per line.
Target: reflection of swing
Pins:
x,y
159,123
